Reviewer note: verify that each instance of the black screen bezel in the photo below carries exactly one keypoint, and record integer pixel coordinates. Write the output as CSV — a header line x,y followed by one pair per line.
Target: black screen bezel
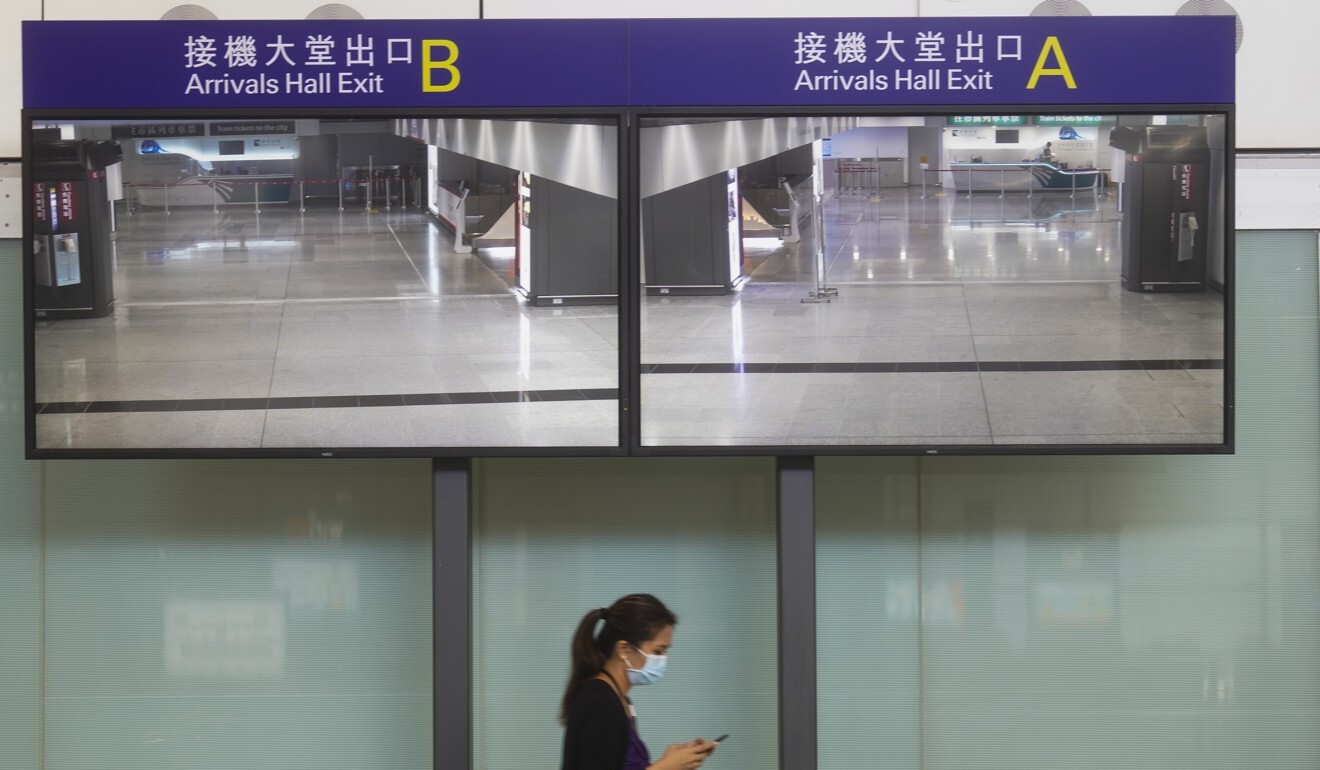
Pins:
x,y
629,287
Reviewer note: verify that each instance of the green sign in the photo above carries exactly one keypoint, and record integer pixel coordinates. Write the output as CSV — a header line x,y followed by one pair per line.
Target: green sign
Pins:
x,y
1069,120
987,120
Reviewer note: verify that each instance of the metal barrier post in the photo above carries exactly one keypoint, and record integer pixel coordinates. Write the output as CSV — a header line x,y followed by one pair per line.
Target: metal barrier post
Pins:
x,y
167,199
877,172
1074,185
794,212
1031,183
969,183
388,188
371,179
215,200
340,184
1003,174
302,197
256,197
403,194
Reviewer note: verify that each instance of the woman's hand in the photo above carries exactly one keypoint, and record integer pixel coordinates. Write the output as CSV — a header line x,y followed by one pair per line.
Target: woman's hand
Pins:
x,y
685,756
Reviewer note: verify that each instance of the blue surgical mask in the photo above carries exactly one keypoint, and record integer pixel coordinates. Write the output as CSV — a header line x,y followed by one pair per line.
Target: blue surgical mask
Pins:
x,y
649,673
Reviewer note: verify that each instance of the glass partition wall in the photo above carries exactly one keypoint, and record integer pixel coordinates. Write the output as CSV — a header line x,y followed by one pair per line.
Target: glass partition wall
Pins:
x,y
556,538
972,612
992,613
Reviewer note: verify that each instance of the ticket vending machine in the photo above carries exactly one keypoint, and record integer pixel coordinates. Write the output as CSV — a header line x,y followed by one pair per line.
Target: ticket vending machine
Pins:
x,y
72,254
1166,207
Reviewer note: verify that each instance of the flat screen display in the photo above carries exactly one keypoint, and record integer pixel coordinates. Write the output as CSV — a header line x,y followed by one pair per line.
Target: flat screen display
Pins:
x,y
967,295
351,284
429,286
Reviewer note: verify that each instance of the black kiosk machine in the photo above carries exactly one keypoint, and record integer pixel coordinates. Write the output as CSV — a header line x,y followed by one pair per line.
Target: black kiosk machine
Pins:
x,y
72,254
1166,207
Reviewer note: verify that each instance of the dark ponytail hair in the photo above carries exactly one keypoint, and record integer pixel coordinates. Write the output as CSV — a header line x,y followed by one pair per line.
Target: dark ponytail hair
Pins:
x,y
635,619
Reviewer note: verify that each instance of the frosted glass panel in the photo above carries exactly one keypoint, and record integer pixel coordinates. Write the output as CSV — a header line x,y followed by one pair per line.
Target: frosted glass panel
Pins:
x,y
1106,613
270,614
20,570
555,538
868,637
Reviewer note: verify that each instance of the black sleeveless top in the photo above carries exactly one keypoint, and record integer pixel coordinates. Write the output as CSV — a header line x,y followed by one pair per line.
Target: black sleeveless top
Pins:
x,y
597,729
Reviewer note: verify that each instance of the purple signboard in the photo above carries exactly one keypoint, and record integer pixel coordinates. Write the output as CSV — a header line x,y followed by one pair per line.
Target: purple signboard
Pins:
x,y
354,64
927,61
617,63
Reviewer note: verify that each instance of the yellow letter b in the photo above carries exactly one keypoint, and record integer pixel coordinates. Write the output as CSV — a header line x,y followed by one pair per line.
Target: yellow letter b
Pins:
x,y
446,64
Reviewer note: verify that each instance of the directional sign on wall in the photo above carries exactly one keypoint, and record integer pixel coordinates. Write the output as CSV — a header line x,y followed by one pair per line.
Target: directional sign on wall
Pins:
x,y
617,63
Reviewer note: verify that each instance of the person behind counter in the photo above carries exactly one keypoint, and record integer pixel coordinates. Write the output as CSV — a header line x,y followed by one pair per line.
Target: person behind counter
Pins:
x,y
600,723
1047,154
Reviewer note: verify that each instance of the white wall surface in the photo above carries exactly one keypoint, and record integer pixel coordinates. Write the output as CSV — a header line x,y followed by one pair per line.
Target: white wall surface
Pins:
x,y
680,9
864,143
12,13
1025,7
673,156
69,10
576,154
1278,193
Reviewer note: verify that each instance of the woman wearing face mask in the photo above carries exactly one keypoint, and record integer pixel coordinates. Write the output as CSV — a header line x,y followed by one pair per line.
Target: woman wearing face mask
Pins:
x,y
600,723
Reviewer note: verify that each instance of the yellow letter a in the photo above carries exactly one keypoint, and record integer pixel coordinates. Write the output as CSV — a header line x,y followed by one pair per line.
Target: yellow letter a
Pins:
x,y
1052,44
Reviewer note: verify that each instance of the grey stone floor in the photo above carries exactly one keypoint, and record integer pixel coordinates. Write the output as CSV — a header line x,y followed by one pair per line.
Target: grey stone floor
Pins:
x,y
319,304
947,279
326,305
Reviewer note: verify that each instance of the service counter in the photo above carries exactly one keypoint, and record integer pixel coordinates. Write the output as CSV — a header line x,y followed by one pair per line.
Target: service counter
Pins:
x,y
217,190
1019,177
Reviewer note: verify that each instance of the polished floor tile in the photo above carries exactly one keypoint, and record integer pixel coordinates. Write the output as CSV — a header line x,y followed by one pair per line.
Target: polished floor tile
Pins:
x,y
1023,292
281,320
151,430
958,321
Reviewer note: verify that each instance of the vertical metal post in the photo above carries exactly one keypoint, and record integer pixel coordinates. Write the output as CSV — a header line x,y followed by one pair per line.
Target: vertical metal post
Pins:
x,y
1073,194
256,197
451,612
1031,183
1003,179
403,193
167,199
371,179
389,189
794,213
215,200
924,196
969,182
877,172
340,184
796,481
302,196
